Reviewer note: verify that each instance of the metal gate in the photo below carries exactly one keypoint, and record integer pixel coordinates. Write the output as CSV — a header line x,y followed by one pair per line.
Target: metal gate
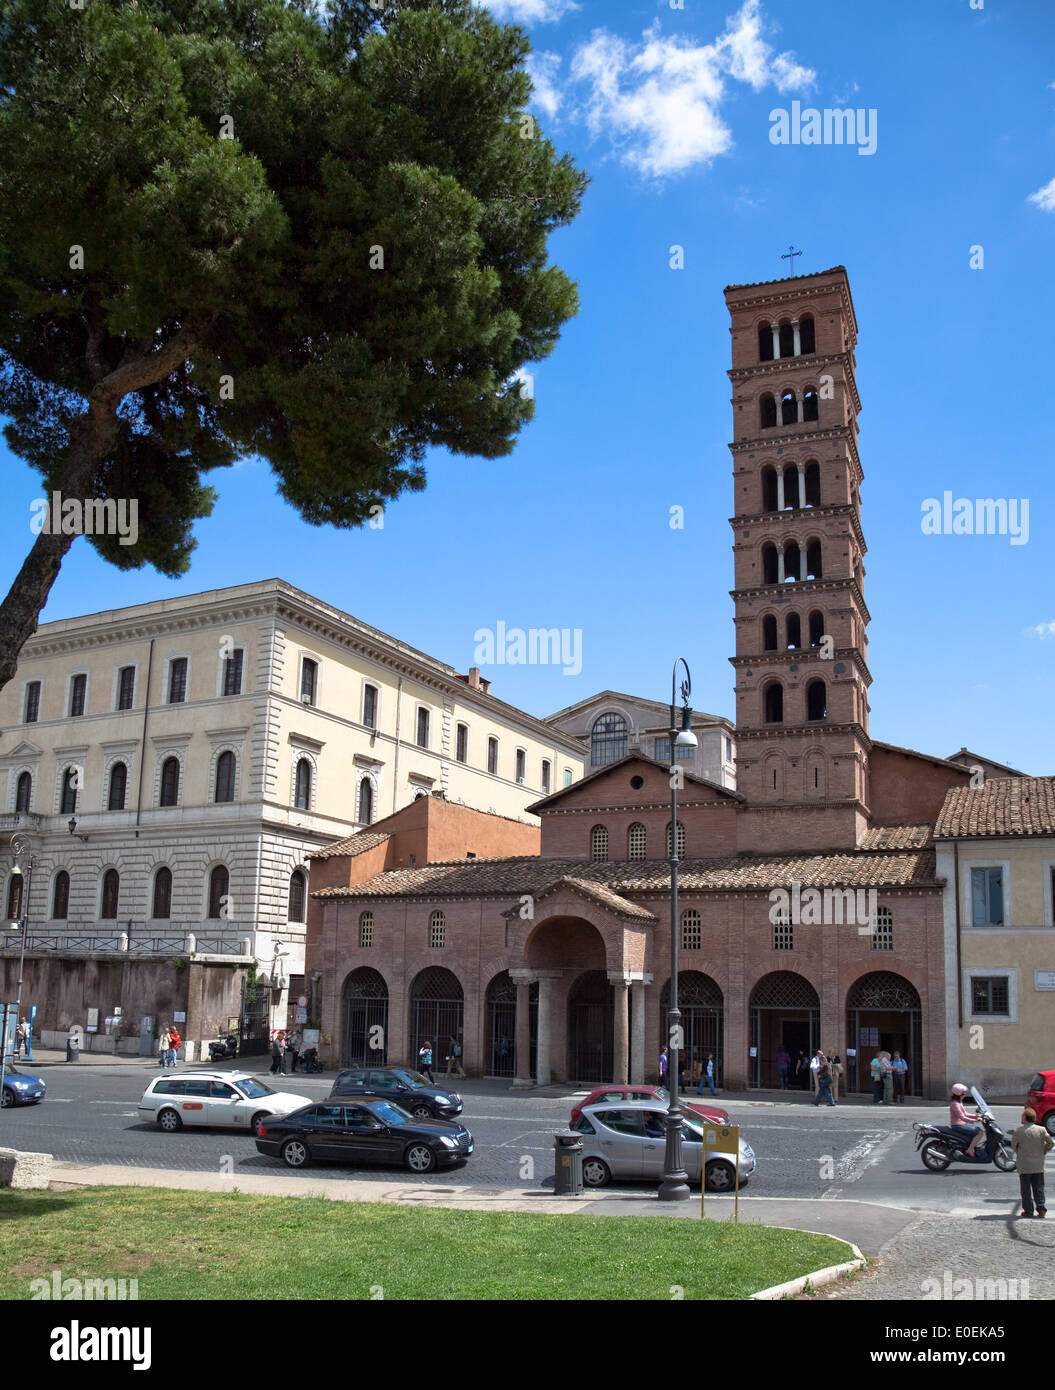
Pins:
x,y
365,1020
500,1050
437,1011
255,1020
591,1019
898,1001
700,1006
789,1000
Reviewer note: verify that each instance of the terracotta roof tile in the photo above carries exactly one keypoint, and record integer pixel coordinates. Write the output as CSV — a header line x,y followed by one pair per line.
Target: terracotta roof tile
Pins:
x,y
1002,806
351,845
897,837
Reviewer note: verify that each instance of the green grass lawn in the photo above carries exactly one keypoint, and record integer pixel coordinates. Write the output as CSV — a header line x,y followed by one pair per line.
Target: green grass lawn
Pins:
x,y
199,1245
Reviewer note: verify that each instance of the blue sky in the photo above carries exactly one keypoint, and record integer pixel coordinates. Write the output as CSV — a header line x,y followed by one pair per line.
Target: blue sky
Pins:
x,y
669,111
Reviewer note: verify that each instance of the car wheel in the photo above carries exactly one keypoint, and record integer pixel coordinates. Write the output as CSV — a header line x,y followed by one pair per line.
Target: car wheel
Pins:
x,y
257,1120
420,1158
8,1098
720,1176
1004,1158
421,1112
935,1156
295,1153
595,1172
1049,1121
169,1121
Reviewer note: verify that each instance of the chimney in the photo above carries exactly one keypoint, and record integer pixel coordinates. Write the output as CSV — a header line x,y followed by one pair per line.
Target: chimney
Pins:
x,y
485,686
474,677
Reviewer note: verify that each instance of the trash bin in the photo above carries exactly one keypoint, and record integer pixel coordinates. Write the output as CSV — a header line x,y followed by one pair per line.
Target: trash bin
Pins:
x,y
567,1175
73,1052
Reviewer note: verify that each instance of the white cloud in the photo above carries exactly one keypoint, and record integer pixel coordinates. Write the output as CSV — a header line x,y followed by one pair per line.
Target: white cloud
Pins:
x,y
543,68
531,11
1045,197
1042,630
659,101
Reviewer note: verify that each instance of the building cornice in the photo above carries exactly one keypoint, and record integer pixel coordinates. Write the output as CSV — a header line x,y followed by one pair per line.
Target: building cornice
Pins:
x,y
754,444
806,586
789,658
810,362
794,515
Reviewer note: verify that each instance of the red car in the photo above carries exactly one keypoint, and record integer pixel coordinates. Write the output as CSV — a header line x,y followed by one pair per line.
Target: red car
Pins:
x,y
1041,1098
607,1095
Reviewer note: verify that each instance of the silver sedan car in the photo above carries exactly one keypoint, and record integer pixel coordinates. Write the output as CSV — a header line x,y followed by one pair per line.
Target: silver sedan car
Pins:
x,y
628,1141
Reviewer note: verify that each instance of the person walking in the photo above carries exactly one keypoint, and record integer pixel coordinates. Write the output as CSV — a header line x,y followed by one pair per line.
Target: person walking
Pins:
x,y
454,1057
1031,1142
664,1067
900,1069
815,1067
802,1071
783,1067
876,1073
22,1037
824,1081
175,1043
425,1060
164,1043
837,1071
276,1053
886,1072
708,1076
294,1041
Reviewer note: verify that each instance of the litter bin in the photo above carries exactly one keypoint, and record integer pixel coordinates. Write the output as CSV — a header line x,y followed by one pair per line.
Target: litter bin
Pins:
x,y
567,1175
73,1052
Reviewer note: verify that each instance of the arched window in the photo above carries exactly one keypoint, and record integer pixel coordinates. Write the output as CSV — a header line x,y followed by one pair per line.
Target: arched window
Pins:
x,y
366,929
813,484
24,792
792,562
816,627
492,755
599,842
769,489
816,700
115,799
807,335
769,633
111,894
791,487
787,339
691,930
437,931
773,703
69,791
814,569
14,897
793,628
297,895
770,563
636,841
170,782
883,930
219,884
366,802
161,904
302,792
224,790
810,406
681,840
765,342
60,897
608,740
767,412
789,409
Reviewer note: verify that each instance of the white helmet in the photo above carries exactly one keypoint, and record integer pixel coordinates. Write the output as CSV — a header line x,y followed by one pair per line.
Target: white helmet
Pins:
x,y
959,1089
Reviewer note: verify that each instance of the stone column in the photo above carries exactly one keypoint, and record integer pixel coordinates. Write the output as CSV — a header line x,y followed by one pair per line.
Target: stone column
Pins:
x,y
802,485
545,995
620,1038
780,488
803,567
798,409
637,1031
776,340
523,981
798,340
780,566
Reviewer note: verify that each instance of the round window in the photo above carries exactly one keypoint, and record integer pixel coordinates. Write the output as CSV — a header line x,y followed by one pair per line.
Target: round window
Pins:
x,y
637,783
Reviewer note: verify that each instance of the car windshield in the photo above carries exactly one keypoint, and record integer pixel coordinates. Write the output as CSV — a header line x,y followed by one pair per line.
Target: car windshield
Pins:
x,y
391,1114
415,1078
662,1093
254,1089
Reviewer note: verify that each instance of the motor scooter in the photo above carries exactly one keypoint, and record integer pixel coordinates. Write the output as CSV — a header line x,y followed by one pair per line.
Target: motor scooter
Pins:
x,y
940,1145
226,1046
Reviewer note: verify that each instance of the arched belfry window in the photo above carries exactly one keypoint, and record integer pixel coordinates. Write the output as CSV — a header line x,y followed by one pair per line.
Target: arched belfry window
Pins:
x,y
767,412
787,339
813,484
793,624
770,565
807,335
765,342
769,489
773,703
789,409
816,700
769,633
608,740
814,568
816,627
810,405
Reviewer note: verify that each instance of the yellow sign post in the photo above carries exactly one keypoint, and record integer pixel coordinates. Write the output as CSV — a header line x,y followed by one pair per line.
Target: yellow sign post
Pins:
x,y
720,1139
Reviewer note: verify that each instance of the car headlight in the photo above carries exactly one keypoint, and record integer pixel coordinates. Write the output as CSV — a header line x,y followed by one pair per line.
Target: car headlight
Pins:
x,y
20,1083
448,1141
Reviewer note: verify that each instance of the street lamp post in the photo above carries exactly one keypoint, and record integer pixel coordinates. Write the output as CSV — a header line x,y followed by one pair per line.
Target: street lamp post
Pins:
x,y
674,1185
20,850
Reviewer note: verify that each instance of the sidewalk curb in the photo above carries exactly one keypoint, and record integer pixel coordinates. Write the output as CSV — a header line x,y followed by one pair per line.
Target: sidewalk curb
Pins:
x,y
817,1279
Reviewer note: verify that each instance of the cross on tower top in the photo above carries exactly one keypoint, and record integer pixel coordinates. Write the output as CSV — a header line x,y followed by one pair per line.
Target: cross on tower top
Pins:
x,y
789,255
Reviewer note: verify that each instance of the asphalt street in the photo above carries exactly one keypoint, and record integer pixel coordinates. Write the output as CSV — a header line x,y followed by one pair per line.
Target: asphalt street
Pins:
x,y
851,1153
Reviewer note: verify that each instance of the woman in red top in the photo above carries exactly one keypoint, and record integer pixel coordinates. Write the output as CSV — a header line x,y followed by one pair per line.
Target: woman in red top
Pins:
x,y
960,1120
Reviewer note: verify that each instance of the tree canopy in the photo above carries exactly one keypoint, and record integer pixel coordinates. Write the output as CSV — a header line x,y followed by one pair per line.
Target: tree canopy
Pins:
x,y
311,232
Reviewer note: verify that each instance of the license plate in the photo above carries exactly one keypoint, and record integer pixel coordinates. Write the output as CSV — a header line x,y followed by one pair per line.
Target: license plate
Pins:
x,y
469,1149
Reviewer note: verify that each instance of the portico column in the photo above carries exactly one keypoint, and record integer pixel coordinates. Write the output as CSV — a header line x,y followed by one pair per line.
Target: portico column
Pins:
x,y
798,409
776,340
802,485
803,567
780,566
780,488
545,995
637,1032
620,1038
523,1033
798,340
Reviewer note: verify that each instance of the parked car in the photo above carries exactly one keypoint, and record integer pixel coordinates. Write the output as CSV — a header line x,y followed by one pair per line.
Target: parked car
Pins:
x,y
1041,1098
233,1100
368,1131
628,1142
21,1087
406,1087
609,1095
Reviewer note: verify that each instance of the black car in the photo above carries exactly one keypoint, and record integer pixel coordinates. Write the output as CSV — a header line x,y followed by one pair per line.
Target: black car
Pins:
x,y
407,1088
369,1131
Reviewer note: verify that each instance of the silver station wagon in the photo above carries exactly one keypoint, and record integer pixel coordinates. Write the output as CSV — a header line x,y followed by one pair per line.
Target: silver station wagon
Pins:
x,y
228,1100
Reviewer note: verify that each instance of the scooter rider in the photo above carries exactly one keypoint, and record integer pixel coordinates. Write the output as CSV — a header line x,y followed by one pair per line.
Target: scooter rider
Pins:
x,y
961,1121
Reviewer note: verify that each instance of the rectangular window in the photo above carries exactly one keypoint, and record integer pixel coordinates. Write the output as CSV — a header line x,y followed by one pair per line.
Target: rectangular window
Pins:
x,y
232,673
423,727
492,755
521,766
545,774
683,753
883,930
987,897
990,995
783,935
663,750
78,687
462,752
178,680
126,687
308,672
370,706
32,702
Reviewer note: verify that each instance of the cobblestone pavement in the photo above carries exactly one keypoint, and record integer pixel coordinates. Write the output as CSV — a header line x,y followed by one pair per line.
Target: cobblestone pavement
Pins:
x,y
931,1258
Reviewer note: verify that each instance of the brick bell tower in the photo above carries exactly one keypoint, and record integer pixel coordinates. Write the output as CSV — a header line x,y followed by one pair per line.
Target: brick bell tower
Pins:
x,y
801,622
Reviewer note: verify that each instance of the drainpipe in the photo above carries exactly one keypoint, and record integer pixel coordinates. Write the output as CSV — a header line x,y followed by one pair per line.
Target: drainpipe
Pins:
x,y
395,767
143,736
959,969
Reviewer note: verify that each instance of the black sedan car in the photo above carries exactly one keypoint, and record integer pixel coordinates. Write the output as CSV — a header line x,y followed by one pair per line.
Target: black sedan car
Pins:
x,y
402,1085
369,1131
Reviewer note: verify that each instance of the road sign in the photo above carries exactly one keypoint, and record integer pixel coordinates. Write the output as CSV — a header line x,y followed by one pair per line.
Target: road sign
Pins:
x,y
720,1139
302,1001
